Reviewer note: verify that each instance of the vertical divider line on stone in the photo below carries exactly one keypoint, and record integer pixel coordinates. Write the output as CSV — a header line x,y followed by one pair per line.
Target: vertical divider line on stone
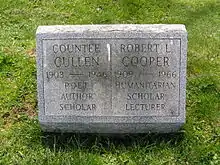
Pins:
x,y
109,59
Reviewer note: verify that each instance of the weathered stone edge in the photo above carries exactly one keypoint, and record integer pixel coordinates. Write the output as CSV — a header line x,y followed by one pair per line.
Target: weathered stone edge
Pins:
x,y
117,28
111,127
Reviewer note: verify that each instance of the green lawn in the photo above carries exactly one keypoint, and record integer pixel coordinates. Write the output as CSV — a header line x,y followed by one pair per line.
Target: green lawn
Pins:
x,y
21,140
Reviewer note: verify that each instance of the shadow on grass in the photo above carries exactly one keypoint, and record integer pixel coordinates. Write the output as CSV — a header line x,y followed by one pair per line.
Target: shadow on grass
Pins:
x,y
108,142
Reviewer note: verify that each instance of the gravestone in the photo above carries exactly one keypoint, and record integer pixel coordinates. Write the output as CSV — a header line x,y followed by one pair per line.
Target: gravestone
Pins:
x,y
111,78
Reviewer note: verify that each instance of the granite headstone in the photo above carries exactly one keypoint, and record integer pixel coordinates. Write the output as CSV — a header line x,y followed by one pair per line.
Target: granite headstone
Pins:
x,y
111,78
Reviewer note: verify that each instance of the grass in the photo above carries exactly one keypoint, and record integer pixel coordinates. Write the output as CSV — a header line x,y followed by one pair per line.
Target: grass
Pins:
x,y
21,140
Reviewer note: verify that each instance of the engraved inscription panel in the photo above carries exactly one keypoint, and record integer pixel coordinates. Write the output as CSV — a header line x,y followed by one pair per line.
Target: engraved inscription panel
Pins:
x,y
147,77
72,81
111,77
